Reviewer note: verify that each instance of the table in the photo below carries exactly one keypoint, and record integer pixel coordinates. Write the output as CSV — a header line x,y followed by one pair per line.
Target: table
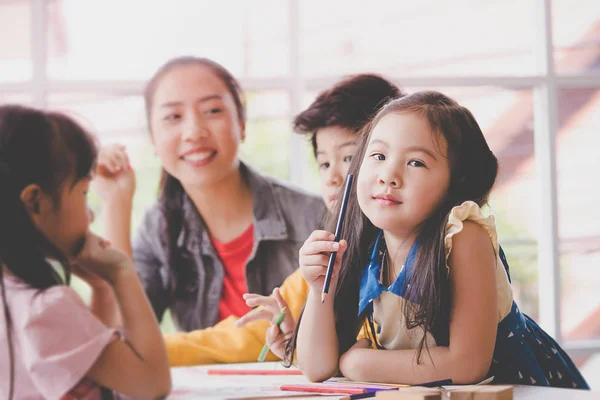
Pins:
x,y
196,383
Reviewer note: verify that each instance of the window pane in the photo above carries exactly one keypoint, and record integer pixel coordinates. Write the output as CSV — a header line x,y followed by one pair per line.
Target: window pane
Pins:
x,y
578,197
248,38
576,36
15,41
267,146
432,37
15,98
268,130
268,104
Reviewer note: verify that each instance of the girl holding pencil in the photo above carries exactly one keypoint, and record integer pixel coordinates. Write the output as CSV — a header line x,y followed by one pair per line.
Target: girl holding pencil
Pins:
x,y
422,261
332,122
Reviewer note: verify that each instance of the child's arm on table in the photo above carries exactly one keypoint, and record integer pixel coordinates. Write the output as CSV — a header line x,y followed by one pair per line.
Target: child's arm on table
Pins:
x,y
474,320
114,182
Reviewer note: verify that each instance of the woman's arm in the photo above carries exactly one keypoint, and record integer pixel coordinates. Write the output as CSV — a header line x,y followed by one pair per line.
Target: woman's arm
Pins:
x,y
114,182
473,326
116,216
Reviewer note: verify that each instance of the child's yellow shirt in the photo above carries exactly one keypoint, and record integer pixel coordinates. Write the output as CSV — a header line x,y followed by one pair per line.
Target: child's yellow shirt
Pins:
x,y
226,343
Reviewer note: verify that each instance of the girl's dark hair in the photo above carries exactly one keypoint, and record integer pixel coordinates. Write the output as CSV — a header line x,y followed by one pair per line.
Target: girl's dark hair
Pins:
x,y
473,170
49,150
170,190
350,104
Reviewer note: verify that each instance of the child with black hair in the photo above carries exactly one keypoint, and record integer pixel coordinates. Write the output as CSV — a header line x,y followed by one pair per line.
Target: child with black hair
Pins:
x,y
421,260
53,345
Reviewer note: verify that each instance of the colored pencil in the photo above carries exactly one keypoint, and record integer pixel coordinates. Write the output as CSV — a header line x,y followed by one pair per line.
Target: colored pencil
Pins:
x,y
265,349
442,382
338,230
217,371
367,395
322,389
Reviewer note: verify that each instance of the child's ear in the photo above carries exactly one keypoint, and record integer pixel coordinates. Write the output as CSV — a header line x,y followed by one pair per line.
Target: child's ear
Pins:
x,y
36,202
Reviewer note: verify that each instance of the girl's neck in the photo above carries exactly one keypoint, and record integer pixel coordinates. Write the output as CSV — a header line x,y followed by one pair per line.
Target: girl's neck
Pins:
x,y
226,206
398,247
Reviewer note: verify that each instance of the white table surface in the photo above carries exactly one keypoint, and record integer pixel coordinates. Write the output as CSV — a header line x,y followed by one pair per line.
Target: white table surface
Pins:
x,y
196,383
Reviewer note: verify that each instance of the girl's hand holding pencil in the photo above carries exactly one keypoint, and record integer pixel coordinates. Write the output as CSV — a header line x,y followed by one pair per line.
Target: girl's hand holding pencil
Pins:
x,y
323,246
314,257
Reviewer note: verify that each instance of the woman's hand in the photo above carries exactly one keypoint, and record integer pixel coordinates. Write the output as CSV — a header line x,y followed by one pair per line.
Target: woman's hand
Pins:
x,y
114,179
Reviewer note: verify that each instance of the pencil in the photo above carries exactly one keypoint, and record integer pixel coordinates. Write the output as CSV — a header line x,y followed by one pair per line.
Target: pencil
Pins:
x,y
325,389
216,371
338,230
442,382
367,395
265,349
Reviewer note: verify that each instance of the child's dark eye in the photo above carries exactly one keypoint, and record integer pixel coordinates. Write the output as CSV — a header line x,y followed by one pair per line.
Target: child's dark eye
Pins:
x,y
324,165
378,156
416,163
213,111
172,117
347,159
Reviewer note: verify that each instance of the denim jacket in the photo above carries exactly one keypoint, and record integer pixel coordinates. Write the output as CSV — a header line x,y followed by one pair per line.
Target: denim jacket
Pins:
x,y
284,217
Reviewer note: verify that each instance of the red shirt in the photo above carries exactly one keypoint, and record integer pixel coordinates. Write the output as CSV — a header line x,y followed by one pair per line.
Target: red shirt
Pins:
x,y
234,256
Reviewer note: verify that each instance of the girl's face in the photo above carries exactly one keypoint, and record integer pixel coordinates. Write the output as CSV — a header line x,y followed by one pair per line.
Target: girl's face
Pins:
x,y
195,126
66,224
404,175
335,148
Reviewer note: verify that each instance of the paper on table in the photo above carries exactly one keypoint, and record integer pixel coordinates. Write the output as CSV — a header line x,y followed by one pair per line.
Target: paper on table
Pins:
x,y
195,383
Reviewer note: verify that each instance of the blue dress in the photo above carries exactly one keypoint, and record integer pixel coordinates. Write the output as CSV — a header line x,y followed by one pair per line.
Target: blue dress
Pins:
x,y
524,354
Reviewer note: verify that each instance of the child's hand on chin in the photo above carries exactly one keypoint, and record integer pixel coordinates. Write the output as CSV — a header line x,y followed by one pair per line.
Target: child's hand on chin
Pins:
x,y
98,260
92,279
350,361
